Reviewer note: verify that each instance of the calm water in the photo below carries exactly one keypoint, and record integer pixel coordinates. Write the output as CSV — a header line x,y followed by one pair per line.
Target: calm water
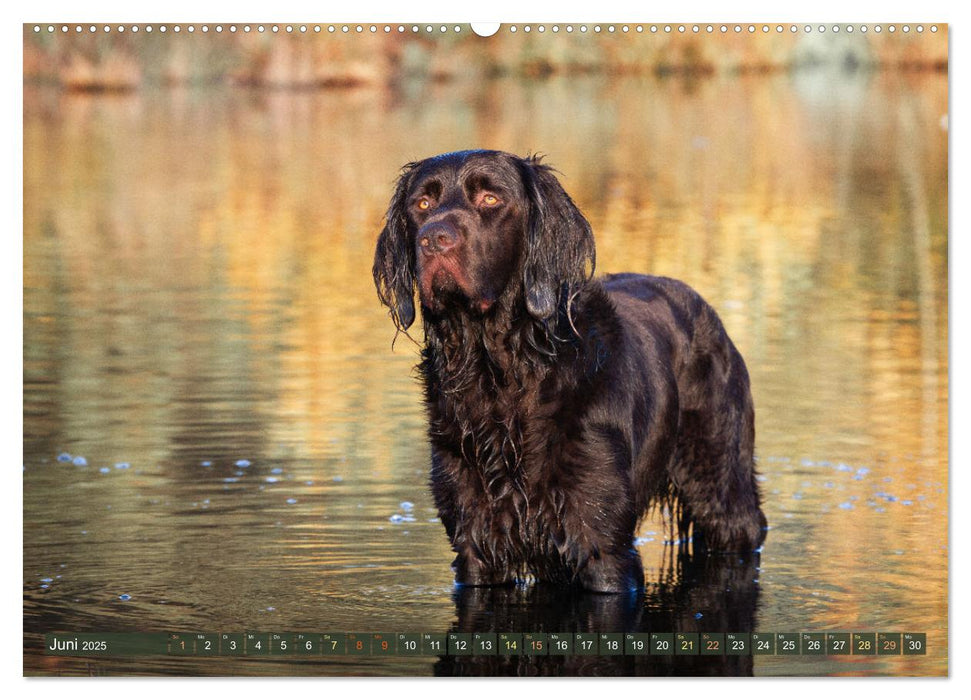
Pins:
x,y
197,292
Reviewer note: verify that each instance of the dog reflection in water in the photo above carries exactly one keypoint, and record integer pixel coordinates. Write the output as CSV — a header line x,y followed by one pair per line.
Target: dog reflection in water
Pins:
x,y
694,594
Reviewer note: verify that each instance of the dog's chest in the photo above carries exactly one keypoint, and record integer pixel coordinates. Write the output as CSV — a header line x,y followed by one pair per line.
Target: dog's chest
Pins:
x,y
502,464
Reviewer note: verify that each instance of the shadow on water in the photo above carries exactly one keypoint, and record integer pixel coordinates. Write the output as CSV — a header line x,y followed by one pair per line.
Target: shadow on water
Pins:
x,y
696,594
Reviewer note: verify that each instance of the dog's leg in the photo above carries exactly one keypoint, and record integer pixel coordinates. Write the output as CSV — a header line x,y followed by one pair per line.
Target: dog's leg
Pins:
x,y
618,572
716,483
598,514
472,565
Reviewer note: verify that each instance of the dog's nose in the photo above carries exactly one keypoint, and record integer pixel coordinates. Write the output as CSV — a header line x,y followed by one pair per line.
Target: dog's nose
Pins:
x,y
437,238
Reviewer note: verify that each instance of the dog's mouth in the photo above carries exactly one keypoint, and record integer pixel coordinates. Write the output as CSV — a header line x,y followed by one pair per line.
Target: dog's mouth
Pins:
x,y
443,285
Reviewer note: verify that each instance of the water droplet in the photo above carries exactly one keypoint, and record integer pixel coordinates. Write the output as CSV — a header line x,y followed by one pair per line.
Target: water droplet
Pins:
x,y
396,518
291,501
105,470
80,462
64,457
122,465
124,596
243,463
406,505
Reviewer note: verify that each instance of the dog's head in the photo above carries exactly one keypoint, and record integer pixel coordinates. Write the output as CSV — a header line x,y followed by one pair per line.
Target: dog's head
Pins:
x,y
471,228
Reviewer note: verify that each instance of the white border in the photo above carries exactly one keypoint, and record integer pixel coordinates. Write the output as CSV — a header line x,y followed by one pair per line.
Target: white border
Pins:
x,y
819,11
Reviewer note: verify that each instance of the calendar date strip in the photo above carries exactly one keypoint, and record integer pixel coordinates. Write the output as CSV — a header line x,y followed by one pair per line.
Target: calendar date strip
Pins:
x,y
376,644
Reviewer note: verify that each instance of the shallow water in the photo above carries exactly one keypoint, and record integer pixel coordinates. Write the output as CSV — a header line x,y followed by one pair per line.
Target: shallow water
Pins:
x,y
197,293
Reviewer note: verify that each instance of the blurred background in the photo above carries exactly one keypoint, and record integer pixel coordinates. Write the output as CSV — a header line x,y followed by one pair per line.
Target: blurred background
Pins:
x,y
219,436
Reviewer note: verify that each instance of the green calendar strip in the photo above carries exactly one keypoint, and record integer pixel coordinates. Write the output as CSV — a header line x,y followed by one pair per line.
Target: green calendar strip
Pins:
x,y
378,644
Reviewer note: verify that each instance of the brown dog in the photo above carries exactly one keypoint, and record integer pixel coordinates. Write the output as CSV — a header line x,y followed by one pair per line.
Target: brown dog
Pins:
x,y
560,407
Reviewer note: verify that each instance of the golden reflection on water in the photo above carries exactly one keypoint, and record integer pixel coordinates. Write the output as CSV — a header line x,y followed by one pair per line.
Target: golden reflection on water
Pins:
x,y
197,285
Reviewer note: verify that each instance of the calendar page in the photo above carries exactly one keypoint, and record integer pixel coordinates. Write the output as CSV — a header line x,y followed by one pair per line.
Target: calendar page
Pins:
x,y
525,349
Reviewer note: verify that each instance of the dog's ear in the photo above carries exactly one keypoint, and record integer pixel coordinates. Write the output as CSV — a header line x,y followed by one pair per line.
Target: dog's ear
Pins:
x,y
394,263
560,252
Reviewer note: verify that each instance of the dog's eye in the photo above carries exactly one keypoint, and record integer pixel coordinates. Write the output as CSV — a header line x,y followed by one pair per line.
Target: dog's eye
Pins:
x,y
489,199
424,203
